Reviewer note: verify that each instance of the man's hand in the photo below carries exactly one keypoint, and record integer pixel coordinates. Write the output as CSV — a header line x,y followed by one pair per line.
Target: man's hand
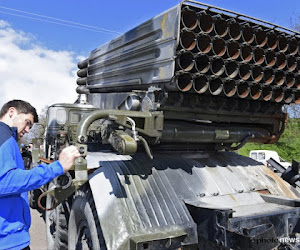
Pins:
x,y
67,157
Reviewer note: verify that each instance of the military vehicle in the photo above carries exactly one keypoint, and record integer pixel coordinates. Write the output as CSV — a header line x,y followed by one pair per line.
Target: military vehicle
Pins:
x,y
161,110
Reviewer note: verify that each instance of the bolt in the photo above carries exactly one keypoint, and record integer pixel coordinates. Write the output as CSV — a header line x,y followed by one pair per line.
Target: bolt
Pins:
x,y
81,150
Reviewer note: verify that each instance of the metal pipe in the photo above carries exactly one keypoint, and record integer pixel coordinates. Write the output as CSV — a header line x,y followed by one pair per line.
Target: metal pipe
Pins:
x,y
82,90
231,69
229,87
255,91
200,83
278,94
258,56
297,97
82,72
215,85
293,46
202,63
291,63
185,60
298,65
269,76
187,39
246,53
290,80
266,93
220,26
279,77
282,43
198,133
189,18
288,96
218,46
81,81
81,134
281,60
297,82
270,58
260,37
244,71
83,64
233,49
217,66
146,146
257,73
247,33
184,81
205,22
243,89
204,43
272,40
245,16
234,30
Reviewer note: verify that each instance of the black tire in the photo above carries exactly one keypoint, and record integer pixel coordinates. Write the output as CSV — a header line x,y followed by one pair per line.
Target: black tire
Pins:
x,y
33,196
57,224
84,226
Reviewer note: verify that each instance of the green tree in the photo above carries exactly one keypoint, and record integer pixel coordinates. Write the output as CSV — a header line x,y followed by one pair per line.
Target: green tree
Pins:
x,y
288,146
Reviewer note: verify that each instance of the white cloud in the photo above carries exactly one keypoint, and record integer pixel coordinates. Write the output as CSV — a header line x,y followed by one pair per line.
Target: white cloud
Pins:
x,y
34,73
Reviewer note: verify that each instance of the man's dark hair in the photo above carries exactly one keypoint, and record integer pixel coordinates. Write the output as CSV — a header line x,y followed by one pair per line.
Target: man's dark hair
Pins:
x,y
21,106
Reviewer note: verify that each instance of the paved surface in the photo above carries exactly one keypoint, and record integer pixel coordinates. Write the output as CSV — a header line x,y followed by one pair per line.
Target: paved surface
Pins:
x,y
37,231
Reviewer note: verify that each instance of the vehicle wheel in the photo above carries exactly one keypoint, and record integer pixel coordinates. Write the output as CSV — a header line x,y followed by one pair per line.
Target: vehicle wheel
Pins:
x,y
33,196
56,224
84,226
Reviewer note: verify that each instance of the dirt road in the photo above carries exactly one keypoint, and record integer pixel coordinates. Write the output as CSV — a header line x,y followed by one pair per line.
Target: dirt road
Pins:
x,y
37,231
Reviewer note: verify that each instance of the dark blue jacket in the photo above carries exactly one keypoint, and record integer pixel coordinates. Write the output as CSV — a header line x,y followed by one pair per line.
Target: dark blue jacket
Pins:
x,y
14,183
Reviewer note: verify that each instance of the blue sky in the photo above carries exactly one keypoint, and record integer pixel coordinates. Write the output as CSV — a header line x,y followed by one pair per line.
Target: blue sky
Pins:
x,y
36,56
120,16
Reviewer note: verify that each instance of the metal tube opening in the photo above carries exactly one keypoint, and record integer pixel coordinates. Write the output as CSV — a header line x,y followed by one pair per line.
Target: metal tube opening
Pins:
x,y
219,46
229,87
246,53
184,81
270,58
255,91
205,22
233,49
215,86
204,43
200,84
188,40
244,71
266,93
268,76
202,63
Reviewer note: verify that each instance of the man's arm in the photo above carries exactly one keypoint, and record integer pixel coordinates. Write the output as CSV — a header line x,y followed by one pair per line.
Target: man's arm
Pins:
x,y
15,180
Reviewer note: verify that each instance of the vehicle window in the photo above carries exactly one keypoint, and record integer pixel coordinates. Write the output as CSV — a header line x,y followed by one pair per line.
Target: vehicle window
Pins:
x,y
61,116
281,160
254,156
261,156
75,117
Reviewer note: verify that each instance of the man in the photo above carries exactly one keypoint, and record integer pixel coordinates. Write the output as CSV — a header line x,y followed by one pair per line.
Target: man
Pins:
x,y
16,119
